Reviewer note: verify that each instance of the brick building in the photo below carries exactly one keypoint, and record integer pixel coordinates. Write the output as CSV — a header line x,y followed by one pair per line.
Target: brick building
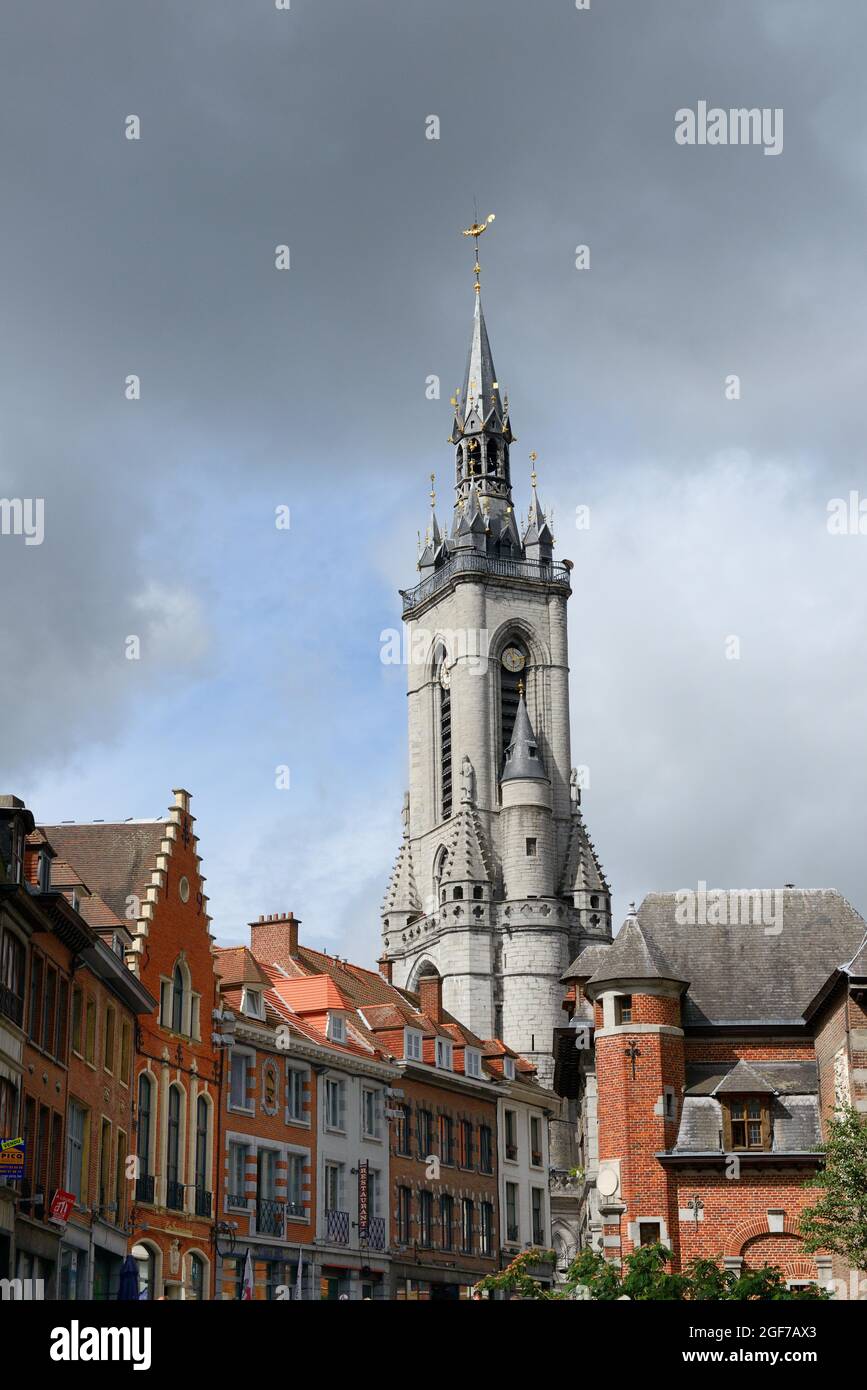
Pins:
x,y
277,1132
442,1218
719,1048
344,1076
148,874
106,1003
19,918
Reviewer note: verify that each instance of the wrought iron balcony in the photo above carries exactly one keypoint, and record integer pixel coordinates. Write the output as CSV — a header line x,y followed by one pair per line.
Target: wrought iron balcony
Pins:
x,y
203,1202
270,1217
144,1187
471,562
174,1195
376,1232
237,1199
295,1209
337,1227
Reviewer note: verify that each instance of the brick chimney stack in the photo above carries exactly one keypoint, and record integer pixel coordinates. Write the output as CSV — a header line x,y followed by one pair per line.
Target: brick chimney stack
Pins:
x,y
430,989
274,939
385,968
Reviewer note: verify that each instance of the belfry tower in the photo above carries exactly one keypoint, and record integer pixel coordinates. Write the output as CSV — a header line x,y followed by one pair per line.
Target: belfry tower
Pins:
x,y
496,886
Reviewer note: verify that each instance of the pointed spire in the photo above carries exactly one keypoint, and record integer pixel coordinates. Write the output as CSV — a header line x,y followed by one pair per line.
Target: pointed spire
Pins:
x,y
481,393
537,531
523,755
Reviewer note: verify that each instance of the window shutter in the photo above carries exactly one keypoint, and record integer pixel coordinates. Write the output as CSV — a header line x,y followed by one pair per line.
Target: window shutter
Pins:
x,y
341,1104
727,1126
767,1128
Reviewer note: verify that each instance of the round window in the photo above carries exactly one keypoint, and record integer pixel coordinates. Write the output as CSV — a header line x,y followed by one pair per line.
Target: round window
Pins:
x,y
184,889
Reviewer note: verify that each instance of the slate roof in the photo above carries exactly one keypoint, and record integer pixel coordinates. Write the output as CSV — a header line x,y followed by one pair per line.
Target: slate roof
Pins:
x,y
634,954
795,1122
114,857
519,762
786,1078
751,973
586,962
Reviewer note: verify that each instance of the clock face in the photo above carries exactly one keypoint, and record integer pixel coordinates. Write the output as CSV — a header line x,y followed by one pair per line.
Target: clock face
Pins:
x,y
513,660
445,677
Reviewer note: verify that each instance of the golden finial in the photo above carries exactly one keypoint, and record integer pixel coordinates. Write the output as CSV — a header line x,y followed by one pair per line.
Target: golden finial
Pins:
x,y
433,496
533,458
475,231
521,688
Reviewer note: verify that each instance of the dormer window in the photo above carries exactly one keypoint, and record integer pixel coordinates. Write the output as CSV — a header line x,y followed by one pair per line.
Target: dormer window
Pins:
x,y
472,1062
252,1003
411,1045
444,1054
532,751
746,1123
44,871
336,1028
509,1068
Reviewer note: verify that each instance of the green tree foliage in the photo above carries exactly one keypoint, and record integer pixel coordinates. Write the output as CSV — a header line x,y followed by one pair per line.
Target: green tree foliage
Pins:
x,y
838,1221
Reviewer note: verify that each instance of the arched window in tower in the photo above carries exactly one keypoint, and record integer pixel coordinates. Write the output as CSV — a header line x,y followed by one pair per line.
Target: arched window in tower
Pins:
x,y
513,671
444,700
493,456
441,860
474,458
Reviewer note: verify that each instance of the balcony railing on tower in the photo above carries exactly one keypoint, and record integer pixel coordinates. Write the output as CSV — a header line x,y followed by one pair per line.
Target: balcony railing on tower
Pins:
x,y
470,562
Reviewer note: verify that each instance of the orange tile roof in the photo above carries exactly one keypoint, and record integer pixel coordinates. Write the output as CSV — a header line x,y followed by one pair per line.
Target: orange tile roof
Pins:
x,y
314,995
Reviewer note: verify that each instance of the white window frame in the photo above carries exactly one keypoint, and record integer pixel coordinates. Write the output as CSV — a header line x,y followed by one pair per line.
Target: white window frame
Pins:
x,y
509,1068
444,1054
239,1054
244,1145
253,1003
302,1075
472,1062
340,1169
335,1028
372,1094
339,1085
412,1045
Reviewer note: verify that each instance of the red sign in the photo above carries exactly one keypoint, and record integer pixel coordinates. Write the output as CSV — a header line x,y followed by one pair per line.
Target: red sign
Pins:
x,y
61,1205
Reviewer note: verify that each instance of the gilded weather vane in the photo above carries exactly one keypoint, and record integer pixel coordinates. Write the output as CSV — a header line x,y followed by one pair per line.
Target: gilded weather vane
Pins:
x,y
475,231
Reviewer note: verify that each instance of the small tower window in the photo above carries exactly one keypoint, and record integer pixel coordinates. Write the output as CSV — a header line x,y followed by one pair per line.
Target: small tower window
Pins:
x,y
532,751
623,1009
458,893
477,892
531,847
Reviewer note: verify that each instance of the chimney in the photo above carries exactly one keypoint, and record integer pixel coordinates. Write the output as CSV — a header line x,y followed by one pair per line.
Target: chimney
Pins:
x,y
274,939
430,989
385,968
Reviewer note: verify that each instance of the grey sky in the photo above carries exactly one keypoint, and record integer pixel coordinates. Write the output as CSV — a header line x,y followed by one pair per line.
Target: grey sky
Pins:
x,y
306,388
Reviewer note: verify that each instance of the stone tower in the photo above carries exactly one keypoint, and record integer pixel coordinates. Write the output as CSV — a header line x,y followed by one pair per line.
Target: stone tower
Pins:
x,y
496,886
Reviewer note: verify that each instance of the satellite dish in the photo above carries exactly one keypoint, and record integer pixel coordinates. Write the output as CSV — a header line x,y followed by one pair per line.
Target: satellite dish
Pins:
x,y
608,1181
